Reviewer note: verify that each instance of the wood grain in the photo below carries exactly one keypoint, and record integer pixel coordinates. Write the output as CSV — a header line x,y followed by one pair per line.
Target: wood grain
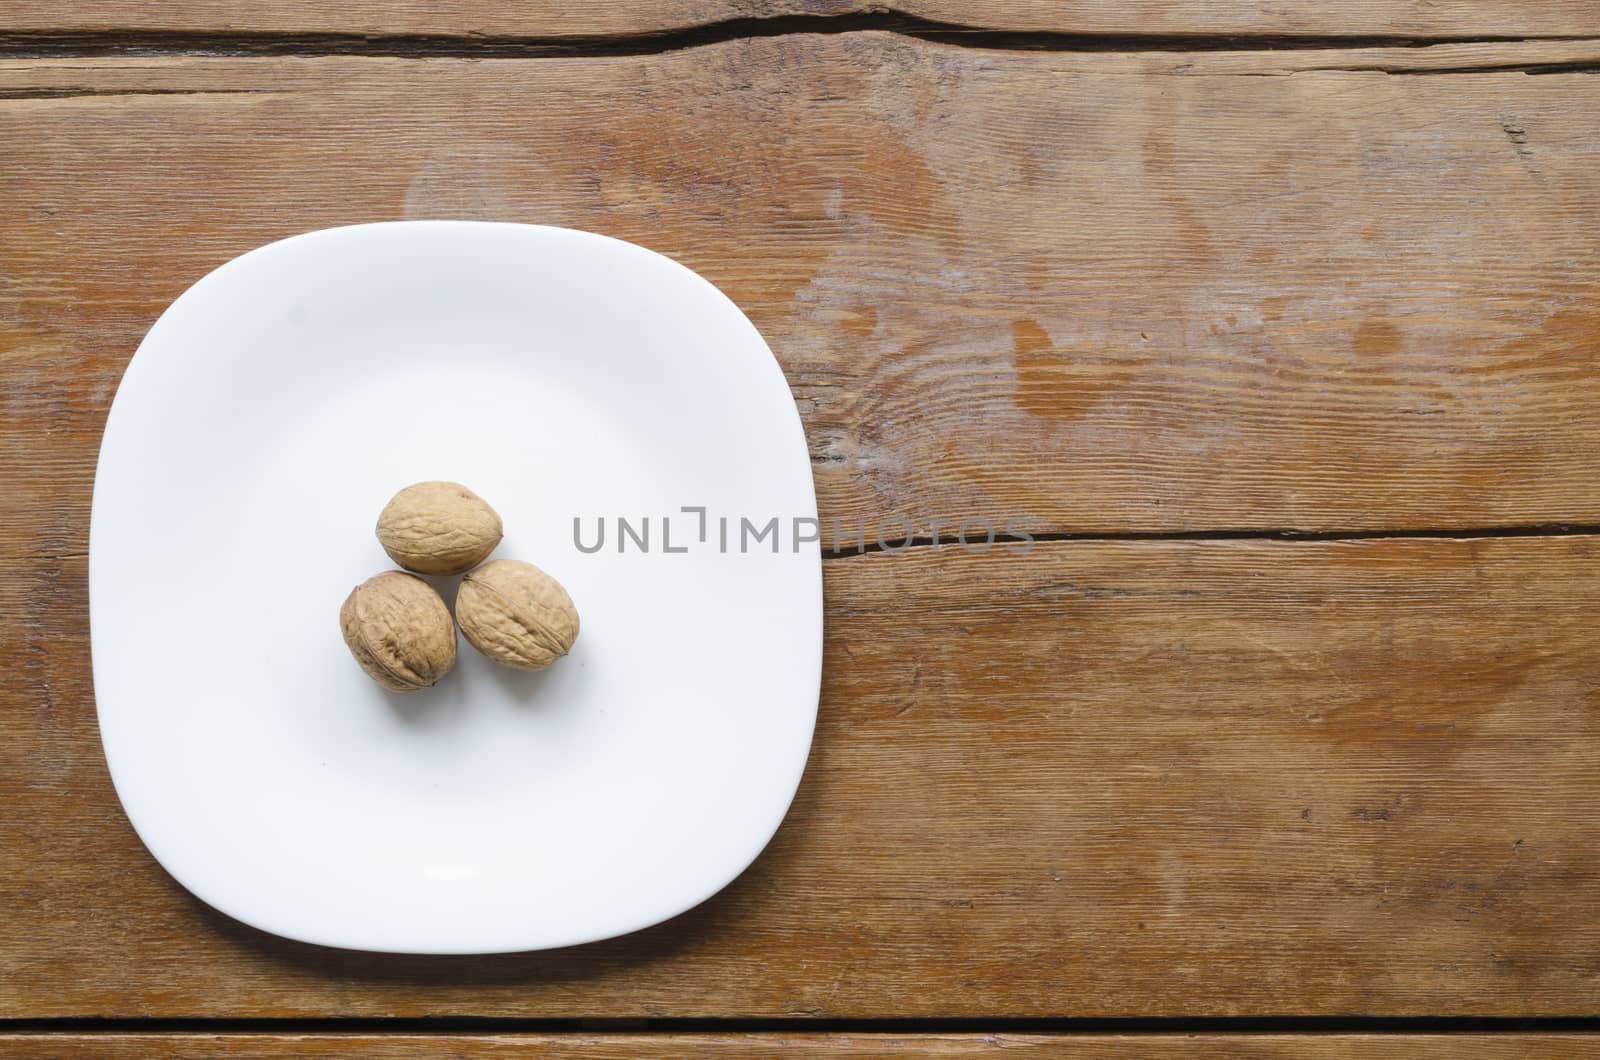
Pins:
x,y
1147,293
1098,779
484,18
768,1046
1076,293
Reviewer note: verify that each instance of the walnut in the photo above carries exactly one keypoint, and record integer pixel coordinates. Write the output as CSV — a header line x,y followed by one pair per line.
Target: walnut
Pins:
x,y
438,528
399,630
516,614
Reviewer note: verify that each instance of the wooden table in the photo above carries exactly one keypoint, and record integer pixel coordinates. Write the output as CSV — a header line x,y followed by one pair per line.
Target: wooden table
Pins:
x,y
1276,325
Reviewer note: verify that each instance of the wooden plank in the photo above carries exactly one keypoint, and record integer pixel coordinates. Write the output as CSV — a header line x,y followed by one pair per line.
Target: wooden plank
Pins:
x,y
1098,779
481,18
1072,292
765,1046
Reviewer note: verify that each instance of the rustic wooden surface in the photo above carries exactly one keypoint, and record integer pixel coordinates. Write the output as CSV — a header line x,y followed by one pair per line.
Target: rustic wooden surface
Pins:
x,y
1115,778
775,1047
1186,293
1087,293
487,18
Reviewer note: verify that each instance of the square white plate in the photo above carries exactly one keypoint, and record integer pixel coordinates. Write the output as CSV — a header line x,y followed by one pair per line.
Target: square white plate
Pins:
x,y
261,426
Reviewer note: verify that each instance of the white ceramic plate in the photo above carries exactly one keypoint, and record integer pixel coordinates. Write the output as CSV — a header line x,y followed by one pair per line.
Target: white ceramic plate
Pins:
x,y
260,428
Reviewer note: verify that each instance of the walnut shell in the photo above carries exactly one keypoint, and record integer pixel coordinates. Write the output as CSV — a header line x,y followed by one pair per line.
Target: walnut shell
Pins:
x,y
516,614
399,630
438,528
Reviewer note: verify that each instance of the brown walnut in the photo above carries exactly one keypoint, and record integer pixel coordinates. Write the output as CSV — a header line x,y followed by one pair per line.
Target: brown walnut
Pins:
x,y
399,630
516,614
438,528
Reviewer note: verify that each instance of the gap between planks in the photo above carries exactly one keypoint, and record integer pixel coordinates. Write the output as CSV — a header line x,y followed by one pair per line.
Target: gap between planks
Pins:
x,y
898,545
1155,1026
173,44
